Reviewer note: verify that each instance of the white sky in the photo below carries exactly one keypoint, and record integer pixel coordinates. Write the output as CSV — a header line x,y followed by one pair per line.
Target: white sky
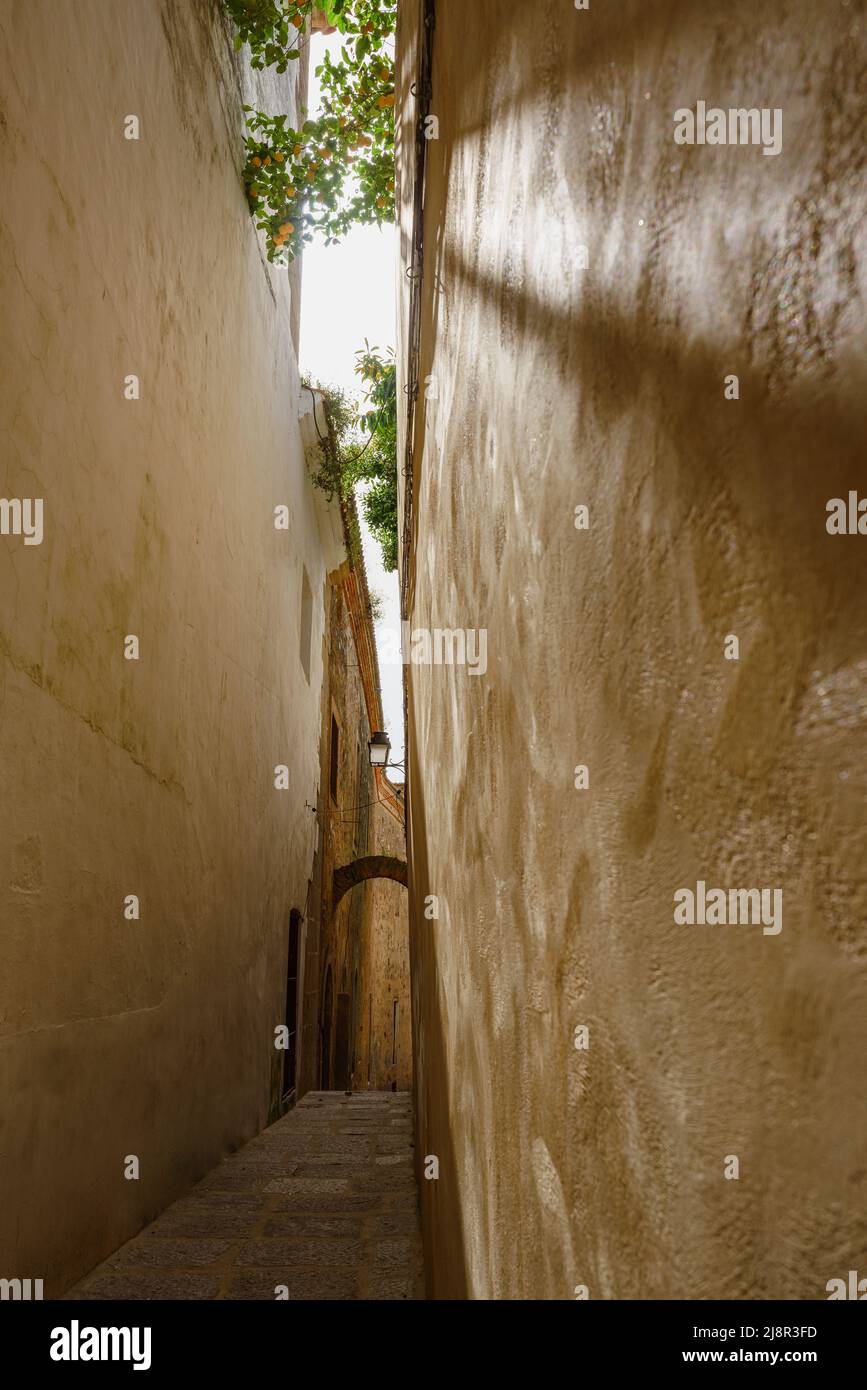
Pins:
x,y
347,295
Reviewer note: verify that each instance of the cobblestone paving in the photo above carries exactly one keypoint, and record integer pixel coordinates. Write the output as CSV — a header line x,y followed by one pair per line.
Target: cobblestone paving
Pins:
x,y
324,1202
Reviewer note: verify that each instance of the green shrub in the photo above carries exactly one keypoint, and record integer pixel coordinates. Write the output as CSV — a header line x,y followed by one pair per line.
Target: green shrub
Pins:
x,y
360,447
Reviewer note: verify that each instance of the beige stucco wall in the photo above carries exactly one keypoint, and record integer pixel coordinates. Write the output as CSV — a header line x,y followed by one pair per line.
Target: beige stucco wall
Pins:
x,y
558,387
155,777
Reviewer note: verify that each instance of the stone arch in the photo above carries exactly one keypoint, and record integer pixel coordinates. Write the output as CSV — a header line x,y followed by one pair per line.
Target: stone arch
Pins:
x,y
371,866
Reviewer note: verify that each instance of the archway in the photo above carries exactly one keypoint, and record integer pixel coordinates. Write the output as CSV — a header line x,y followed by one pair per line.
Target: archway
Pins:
x,y
371,866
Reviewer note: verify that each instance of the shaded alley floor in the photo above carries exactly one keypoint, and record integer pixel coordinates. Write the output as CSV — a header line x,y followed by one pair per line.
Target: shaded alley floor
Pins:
x,y
323,1204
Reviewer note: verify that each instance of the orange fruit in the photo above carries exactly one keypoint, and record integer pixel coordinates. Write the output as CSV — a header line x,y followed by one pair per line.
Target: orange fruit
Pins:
x,y
256,162
384,74
267,159
386,100
297,151
298,21
290,192
278,158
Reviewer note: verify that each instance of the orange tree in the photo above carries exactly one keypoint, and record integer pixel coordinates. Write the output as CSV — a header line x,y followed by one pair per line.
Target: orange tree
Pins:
x,y
337,169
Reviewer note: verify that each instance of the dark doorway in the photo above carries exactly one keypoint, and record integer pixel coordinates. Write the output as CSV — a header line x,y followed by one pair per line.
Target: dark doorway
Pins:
x,y
334,770
290,1056
341,1045
327,1011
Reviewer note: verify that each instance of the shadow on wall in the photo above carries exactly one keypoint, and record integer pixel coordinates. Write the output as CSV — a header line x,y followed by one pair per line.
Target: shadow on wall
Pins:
x,y
634,367
817,436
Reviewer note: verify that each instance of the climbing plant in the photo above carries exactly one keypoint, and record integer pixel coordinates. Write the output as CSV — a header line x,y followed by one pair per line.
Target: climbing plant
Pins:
x,y
337,169
359,447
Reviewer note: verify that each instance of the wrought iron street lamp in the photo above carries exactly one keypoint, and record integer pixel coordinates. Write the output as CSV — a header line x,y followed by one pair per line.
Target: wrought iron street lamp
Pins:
x,y
379,747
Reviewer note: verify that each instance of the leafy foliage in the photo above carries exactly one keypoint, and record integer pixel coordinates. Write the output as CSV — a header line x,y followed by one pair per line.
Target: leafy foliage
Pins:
x,y
349,461
338,169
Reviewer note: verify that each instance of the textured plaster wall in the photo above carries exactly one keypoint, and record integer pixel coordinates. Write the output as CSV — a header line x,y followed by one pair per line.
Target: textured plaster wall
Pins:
x,y
155,777
558,387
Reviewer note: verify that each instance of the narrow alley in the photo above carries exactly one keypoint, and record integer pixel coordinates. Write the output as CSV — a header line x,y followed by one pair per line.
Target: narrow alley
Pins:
x,y
322,1205
433,660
